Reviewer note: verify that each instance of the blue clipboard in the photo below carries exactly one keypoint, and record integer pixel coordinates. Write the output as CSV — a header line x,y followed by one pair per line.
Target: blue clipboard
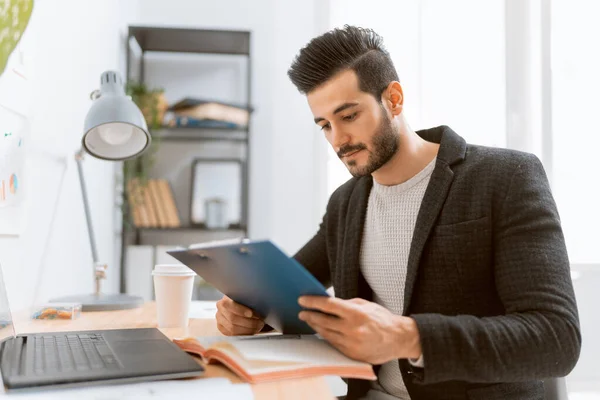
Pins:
x,y
258,275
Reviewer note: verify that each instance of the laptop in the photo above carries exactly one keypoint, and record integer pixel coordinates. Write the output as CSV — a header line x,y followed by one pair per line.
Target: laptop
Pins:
x,y
68,359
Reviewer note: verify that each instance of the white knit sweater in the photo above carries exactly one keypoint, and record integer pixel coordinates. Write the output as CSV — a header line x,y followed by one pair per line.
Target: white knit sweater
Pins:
x,y
389,226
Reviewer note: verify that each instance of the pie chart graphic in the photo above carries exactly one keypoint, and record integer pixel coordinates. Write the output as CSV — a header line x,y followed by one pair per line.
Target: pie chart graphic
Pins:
x,y
14,184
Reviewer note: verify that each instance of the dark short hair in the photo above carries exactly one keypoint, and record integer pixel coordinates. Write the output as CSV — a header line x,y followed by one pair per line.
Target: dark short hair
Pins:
x,y
358,49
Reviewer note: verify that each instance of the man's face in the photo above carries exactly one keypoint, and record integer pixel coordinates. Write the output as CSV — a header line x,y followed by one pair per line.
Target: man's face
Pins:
x,y
355,124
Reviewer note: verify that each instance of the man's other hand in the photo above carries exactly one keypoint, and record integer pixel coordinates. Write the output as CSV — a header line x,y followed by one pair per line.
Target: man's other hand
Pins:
x,y
235,319
362,330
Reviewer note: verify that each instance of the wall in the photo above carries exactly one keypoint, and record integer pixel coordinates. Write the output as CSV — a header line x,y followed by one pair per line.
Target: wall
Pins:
x,y
70,43
299,158
285,185
586,375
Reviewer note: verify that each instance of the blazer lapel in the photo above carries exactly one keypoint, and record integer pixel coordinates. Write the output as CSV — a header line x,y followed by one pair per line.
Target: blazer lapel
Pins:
x,y
452,150
432,204
352,283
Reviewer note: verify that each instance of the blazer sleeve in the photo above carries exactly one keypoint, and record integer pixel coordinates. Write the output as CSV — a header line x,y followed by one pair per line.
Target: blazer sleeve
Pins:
x,y
313,256
538,336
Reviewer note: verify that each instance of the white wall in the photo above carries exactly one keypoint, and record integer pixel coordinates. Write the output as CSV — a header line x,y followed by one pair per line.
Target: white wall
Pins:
x,y
70,43
586,375
298,158
284,193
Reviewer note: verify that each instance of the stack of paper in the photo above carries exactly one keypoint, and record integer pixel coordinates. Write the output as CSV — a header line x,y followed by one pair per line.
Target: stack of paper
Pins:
x,y
203,309
210,388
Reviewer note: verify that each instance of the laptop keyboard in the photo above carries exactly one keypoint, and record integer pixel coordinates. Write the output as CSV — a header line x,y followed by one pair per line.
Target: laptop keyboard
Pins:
x,y
72,352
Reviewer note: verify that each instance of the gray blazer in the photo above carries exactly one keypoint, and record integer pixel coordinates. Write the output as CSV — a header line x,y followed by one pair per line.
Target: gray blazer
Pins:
x,y
488,278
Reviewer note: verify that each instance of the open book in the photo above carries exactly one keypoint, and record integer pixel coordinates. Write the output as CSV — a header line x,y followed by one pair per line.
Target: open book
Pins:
x,y
271,357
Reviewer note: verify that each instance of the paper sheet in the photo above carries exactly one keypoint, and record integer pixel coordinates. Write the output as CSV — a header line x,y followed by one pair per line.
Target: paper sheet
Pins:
x,y
209,388
203,309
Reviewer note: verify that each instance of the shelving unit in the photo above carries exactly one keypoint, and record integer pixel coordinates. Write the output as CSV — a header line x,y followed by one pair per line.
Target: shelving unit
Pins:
x,y
175,140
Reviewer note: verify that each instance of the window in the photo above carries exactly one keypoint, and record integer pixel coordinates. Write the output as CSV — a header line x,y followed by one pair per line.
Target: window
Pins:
x,y
575,134
451,65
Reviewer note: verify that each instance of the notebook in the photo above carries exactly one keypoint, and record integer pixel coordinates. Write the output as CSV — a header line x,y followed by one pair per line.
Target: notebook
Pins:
x,y
271,357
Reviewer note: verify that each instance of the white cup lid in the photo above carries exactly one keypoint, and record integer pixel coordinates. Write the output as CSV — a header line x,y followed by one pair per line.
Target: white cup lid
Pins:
x,y
172,270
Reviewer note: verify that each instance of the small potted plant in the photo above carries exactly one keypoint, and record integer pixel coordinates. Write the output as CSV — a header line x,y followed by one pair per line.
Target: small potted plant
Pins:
x,y
153,104
13,20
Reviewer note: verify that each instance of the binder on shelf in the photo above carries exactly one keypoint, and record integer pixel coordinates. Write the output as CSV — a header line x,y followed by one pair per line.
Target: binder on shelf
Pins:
x,y
137,204
169,204
161,216
134,206
152,219
152,205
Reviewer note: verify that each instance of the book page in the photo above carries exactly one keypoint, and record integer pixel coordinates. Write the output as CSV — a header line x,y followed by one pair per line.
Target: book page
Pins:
x,y
309,349
207,341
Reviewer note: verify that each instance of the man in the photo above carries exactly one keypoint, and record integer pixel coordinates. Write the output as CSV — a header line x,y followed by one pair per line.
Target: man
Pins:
x,y
447,259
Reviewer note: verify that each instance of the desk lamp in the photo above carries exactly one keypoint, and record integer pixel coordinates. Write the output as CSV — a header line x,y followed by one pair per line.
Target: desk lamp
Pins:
x,y
114,130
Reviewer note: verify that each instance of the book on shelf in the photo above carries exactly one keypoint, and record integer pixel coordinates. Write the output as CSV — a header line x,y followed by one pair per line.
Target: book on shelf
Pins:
x,y
152,205
201,109
190,122
270,357
157,202
152,217
169,205
135,197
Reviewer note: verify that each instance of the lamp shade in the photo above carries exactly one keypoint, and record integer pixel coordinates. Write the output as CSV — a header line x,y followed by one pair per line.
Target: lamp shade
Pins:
x,y
114,128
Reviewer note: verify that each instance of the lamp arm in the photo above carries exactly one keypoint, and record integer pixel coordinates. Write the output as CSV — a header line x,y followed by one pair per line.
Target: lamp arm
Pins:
x,y
99,268
86,205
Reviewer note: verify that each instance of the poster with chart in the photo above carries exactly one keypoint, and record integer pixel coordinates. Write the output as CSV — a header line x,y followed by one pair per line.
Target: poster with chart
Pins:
x,y
12,159
13,132
15,97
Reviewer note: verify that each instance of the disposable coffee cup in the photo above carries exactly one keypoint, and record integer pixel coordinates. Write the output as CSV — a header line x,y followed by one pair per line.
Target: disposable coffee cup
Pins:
x,y
173,285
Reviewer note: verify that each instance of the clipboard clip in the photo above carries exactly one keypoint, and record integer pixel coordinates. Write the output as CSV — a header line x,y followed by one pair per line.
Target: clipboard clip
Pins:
x,y
244,250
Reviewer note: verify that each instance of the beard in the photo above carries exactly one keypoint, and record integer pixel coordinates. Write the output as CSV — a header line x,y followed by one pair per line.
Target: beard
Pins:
x,y
385,146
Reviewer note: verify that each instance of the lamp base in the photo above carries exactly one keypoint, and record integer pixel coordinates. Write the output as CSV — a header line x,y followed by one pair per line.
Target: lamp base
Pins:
x,y
102,302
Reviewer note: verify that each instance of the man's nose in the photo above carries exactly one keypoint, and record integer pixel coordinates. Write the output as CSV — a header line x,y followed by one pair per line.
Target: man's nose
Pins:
x,y
339,138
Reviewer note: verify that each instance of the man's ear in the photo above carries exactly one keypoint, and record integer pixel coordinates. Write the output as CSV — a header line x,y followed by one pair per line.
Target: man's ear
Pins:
x,y
393,97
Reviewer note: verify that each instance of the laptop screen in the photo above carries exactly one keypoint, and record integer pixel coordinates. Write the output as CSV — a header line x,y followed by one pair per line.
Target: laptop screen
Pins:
x,y
7,329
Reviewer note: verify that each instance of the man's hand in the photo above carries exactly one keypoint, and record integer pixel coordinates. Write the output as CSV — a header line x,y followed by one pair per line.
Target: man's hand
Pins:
x,y
362,330
236,319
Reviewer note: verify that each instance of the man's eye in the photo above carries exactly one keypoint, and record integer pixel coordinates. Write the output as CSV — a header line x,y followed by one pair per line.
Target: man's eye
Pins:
x,y
325,127
350,117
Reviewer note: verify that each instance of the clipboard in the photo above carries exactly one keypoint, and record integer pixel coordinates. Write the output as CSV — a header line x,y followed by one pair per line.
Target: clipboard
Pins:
x,y
258,275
